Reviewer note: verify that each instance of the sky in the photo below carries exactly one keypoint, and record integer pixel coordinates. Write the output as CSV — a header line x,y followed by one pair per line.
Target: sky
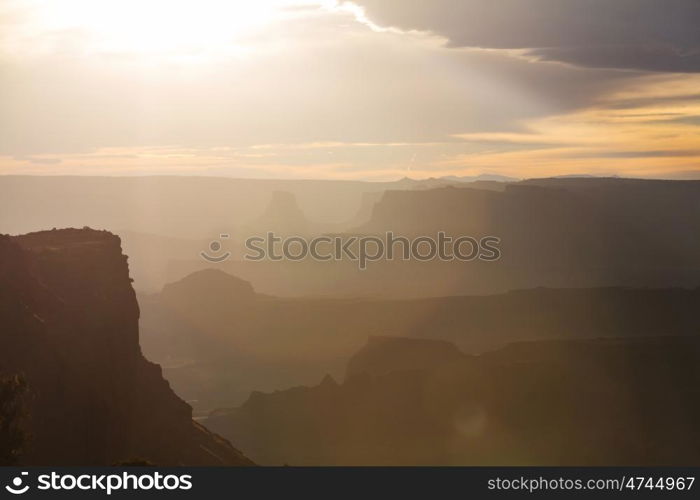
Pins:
x,y
370,90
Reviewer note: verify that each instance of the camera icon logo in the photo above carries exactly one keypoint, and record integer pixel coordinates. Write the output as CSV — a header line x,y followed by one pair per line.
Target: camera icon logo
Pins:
x,y
16,487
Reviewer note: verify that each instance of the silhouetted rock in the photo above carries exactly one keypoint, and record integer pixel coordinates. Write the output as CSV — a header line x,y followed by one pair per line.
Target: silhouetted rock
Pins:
x,y
557,233
328,381
208,288
590,402
216,351
382,355
283,216
69,321
560,233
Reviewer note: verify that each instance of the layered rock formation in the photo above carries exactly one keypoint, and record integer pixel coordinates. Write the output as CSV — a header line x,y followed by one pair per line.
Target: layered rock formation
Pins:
x,y
218,340
382,355
283,216
558,233
69,324
587,402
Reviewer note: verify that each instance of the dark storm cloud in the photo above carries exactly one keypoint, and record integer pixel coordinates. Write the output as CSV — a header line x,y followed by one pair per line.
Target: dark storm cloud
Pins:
x,y
653,35
661,153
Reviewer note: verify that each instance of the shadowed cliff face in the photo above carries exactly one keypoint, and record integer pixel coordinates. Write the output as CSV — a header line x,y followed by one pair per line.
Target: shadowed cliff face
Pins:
x,y
558,233
69,321
218,340
382,355
588,402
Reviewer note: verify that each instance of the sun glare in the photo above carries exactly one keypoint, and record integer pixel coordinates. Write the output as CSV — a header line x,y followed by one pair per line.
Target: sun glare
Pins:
x,y
161,26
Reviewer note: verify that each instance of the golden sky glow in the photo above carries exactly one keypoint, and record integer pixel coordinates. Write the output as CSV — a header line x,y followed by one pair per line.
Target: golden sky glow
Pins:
x,y
285,88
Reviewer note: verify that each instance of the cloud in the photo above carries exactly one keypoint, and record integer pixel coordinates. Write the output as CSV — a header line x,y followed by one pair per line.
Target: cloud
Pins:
x,y
651,35
37,160
322,78
324,94
656,139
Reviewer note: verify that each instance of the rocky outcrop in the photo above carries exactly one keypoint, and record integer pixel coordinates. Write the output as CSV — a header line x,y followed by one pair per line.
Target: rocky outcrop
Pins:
x,y
208,289
218,341
283,216
606,402
382,355
559,233
69,323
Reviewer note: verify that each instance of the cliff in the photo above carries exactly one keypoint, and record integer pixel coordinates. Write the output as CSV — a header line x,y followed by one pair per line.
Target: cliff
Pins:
x,y
382,355
207,290
610,402
283,216
69,321
559,233
219,341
